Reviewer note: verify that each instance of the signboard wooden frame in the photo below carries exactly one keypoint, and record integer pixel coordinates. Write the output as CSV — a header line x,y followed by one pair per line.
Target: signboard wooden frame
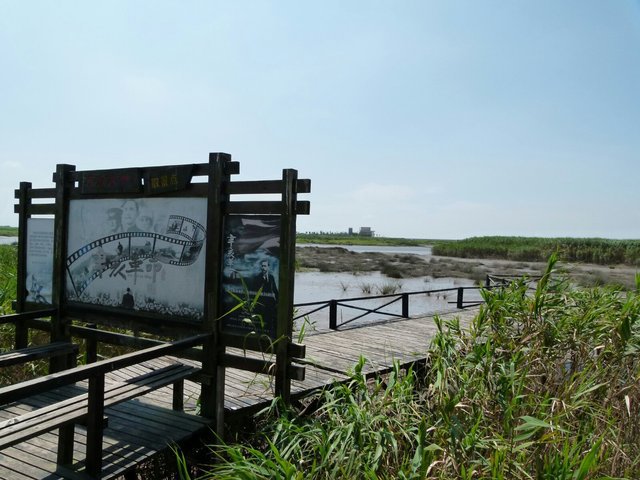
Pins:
x,y
210,182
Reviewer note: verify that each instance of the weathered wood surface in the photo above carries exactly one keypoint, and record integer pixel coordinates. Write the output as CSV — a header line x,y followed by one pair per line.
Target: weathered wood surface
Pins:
x,y
140,428
28,354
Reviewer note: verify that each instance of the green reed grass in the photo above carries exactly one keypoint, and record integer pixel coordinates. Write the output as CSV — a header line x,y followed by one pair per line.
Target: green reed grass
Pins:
x,y
539,386
8,272
388,288
588,250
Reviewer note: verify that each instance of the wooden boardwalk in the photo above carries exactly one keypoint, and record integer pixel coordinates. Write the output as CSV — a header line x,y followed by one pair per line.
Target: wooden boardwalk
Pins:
x,y
138,429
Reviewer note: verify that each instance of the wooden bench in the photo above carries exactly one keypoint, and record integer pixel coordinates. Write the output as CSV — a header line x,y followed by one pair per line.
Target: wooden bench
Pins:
x,y
37,352
88,408
74,410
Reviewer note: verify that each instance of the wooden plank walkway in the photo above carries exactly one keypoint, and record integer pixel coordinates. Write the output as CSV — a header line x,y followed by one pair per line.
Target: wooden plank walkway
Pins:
x,y
140,428
331,356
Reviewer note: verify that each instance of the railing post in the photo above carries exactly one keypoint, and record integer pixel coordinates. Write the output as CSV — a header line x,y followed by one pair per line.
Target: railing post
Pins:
x,y
91,353
95,414
333,314
22,334
460,297
178,395
24,201
65,444
405,305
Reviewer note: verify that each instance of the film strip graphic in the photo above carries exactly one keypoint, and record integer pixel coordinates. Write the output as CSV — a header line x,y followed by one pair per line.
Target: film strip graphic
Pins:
x,y
123,253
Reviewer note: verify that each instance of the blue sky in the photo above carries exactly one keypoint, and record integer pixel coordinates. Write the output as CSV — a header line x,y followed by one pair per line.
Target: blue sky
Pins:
x,y
426,119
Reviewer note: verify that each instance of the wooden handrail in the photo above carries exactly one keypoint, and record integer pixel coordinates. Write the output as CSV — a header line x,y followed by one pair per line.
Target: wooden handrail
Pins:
x,y
55,380
19,317
388,295
404,296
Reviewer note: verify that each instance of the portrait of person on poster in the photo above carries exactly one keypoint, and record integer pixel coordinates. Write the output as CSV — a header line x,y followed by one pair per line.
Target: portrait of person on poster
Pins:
x,y
251,271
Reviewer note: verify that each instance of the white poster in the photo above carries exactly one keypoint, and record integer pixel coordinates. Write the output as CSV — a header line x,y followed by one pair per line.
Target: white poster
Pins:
x,y
145,255
39,260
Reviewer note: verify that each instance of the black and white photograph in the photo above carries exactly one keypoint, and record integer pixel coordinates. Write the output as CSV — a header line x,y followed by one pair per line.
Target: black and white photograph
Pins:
x,y
138,254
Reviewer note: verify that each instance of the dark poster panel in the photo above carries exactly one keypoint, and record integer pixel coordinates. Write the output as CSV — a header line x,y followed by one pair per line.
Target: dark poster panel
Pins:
x,y
144,255
251,273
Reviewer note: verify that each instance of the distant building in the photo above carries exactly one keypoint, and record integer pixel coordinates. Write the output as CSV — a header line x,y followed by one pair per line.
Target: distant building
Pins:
x,y
364,232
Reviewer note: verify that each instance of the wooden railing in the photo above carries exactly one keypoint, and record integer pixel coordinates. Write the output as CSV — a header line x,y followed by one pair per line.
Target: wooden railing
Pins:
x,y
90,406
403,297
491,281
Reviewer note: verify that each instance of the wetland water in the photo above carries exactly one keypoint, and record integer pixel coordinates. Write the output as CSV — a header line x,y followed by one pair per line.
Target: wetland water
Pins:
x,y
313,286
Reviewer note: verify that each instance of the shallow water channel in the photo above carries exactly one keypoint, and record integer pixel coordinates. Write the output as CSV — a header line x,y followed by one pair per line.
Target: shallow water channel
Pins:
x,y
321,286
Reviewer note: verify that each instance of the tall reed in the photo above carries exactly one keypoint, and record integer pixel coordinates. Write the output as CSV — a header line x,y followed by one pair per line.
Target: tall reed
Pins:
x,y
8,271
541,385
588,250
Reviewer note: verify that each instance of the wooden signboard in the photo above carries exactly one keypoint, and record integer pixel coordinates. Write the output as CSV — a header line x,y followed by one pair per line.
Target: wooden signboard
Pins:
x,y
171,251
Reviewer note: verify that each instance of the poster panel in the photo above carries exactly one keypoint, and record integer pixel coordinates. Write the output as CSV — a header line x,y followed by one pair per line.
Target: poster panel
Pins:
x,y
39,281
251,274
144,255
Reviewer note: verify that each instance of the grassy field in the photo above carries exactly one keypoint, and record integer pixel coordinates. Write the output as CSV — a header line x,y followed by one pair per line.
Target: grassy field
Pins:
x,y
541,386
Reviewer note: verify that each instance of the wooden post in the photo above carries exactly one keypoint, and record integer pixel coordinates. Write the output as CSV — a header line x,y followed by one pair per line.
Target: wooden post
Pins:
x,y
284,325
459,302
178,395
95,414
59,332
405,305
212,395
333,314
65,444
24,200
91,347
487,281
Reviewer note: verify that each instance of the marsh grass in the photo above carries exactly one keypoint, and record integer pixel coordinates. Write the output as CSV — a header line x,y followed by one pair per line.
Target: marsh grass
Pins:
x,y
388,288
539,386
532,249
366,288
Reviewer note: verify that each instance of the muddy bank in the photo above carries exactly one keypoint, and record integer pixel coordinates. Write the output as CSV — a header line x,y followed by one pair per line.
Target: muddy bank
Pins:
x,y
406,265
